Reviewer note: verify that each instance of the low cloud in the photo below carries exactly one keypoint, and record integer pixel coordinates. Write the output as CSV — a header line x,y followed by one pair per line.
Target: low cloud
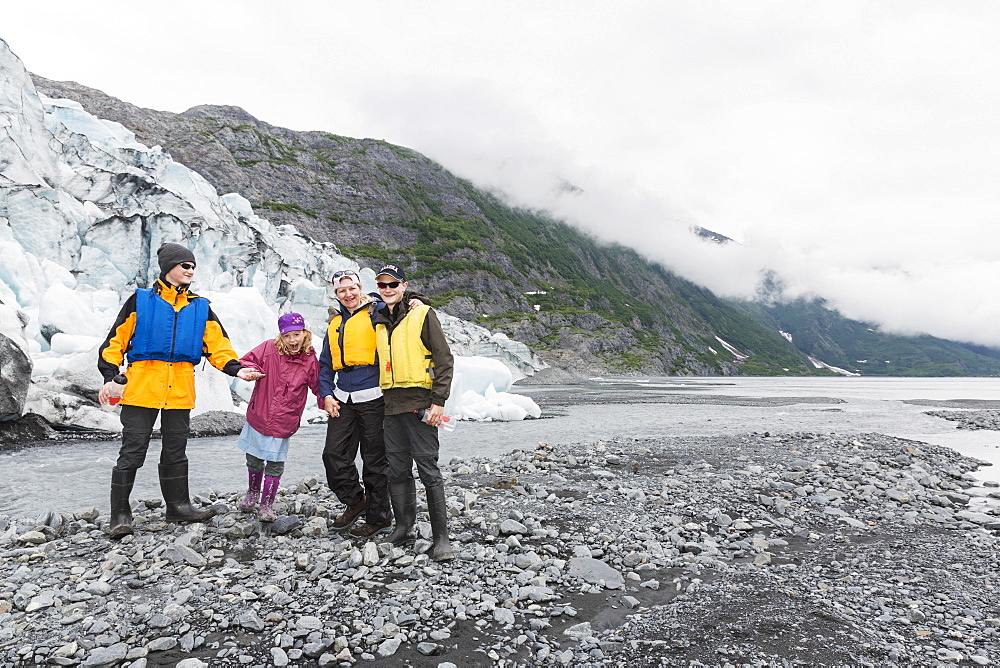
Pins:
x,y
905,280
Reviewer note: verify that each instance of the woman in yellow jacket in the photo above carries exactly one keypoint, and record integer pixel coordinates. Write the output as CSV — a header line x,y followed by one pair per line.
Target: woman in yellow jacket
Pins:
x,y
163,332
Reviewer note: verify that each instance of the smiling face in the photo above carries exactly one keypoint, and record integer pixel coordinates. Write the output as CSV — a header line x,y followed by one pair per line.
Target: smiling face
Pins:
x,y
180,275
293,340
390,295
349,294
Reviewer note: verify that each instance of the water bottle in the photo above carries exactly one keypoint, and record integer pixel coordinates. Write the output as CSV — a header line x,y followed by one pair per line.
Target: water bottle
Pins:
x,y
446,422
116,390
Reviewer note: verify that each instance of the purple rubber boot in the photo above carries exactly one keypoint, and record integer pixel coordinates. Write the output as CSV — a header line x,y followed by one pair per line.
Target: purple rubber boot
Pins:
x,y
248,503
270,490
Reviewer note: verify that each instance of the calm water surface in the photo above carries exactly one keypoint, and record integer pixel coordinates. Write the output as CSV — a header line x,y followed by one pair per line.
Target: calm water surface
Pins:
x,y
73,477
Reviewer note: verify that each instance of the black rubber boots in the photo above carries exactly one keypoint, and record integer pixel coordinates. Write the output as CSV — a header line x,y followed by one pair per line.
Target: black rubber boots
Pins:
x,y
174,485
121,509
403,497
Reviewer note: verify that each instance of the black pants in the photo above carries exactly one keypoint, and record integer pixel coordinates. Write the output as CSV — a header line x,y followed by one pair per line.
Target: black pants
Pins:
x,y
408,441
359,424
137,428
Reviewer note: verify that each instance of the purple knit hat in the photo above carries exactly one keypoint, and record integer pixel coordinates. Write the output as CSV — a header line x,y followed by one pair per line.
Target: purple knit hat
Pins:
x,y
291,322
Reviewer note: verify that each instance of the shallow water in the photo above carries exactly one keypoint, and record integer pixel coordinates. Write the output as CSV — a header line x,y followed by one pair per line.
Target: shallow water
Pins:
x,y
71,477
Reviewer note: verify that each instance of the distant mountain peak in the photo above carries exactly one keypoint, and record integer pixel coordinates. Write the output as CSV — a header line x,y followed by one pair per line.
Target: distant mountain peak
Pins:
x,y
710,235
222,111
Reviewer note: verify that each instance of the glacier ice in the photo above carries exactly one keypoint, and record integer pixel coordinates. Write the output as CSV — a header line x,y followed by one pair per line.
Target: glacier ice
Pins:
x,y
83,208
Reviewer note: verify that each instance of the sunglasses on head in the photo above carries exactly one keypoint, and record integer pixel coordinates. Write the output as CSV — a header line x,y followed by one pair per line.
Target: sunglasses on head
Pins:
x,y
344,272
187,265
390,284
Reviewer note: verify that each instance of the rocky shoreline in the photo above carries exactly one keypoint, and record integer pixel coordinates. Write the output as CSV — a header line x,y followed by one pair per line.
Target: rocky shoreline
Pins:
x,y
33,430
759,549
981,419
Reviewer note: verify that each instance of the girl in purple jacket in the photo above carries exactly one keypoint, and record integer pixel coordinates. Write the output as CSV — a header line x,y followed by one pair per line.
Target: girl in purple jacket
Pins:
x,y
290,370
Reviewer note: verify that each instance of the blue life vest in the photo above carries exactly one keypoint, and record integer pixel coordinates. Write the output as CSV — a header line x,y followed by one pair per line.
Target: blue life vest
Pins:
x,y
161,333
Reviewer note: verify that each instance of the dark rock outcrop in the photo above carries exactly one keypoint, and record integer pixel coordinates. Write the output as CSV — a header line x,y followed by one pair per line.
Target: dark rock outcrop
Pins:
x,y
217,423
15,376
32,429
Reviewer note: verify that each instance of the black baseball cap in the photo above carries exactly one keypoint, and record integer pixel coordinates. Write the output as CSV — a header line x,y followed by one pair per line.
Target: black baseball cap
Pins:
x,y
393,270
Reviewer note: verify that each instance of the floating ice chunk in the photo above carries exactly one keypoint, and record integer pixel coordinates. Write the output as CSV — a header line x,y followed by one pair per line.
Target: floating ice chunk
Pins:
x,y
527,403
491,405
510,411
312,411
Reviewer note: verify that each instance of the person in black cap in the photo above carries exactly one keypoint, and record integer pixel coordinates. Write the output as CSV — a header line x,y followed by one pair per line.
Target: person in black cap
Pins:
x,y
163,332
415,372
349,384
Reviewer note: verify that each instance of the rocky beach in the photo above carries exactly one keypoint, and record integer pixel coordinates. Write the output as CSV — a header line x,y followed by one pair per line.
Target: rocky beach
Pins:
x,y
759,549
972,419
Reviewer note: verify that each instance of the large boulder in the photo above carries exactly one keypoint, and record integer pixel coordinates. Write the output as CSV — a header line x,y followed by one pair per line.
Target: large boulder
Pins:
x,y
15,363
217,423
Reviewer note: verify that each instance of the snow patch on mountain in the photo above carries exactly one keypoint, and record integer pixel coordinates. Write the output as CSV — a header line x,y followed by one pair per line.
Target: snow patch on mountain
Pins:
x,y
836,369
740,356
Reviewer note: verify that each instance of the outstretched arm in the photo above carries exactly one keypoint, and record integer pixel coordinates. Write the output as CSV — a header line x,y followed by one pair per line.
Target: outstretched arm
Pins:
x,y
218,348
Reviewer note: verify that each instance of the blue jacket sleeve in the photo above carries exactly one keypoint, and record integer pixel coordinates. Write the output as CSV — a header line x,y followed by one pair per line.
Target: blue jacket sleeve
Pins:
x,y
327,376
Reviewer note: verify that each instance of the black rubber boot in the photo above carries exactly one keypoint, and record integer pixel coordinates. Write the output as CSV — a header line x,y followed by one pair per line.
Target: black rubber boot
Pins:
x,y
174,485
403,497
438,510
121,509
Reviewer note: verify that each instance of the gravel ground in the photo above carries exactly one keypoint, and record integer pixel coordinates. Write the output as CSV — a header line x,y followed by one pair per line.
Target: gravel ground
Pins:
x,y
760,549
982,419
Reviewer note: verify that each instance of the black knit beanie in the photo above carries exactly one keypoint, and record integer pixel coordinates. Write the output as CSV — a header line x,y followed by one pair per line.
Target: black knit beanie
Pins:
x,y
170,255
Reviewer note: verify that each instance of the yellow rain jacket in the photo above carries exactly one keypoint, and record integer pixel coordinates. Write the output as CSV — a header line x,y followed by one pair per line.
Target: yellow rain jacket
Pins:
x,y
166,380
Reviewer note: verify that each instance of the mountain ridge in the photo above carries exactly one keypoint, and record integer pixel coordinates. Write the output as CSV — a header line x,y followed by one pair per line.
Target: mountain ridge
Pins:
x,y
585,306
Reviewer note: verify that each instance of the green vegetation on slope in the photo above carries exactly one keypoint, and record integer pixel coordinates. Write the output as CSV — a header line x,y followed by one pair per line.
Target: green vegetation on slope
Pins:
x,y
828,336
573,275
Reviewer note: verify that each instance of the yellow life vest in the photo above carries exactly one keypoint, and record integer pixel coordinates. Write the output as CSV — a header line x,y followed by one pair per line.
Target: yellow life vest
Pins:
x,y
352,343
404,361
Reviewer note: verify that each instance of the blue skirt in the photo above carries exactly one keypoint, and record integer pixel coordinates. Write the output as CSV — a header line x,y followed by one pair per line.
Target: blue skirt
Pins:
x,y
268,448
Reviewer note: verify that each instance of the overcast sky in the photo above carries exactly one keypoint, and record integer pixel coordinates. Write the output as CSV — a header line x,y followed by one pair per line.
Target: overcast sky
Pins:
x,y
851,147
